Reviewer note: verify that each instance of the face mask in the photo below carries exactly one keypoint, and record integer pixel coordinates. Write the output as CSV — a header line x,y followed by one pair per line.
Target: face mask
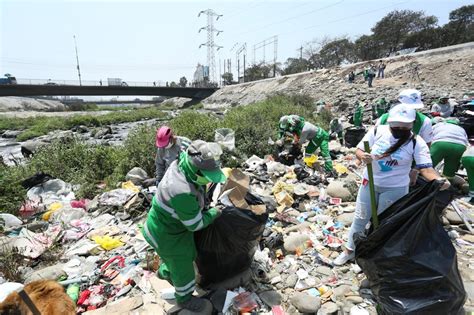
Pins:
x,y
202,181
170,144
398,133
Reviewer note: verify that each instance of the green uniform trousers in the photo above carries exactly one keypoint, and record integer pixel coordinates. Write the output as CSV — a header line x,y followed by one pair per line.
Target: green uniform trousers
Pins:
x,y
321,141
451,153
177,258
468,163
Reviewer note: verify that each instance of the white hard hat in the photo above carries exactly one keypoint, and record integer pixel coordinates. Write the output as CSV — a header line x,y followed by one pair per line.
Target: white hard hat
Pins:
x,y
411,97
403,113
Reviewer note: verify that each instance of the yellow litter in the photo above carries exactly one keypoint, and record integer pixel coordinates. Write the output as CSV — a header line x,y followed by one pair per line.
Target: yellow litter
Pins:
x,y
130,186
227,171
107,242
282,186
310,160
55,206
340,169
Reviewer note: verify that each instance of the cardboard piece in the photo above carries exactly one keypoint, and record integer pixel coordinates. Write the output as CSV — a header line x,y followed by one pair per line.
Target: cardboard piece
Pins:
x,y
236,188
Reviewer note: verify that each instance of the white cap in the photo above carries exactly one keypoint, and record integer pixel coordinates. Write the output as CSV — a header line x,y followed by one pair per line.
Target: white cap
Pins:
x,y
403,113
411,97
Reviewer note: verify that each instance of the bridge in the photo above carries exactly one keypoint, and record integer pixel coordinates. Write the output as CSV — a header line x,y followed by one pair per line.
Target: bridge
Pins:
x,y
63,90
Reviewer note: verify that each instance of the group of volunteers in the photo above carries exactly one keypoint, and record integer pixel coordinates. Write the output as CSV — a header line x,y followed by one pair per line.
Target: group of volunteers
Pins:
x,y
403,143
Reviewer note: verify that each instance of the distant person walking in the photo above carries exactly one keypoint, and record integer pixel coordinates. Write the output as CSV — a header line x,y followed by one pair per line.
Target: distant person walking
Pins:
x,y
154,83
351,77
370,75
381,66
100,82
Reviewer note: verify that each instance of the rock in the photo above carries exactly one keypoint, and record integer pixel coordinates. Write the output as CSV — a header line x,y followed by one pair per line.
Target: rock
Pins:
x,y
328,308
207,310
468,238
324,270
305,303
137,176
291,280
294,241
346,218
354,299
364,284
270,298
102,132
358,310
453,217
469,287
341,290
49,273
344,189
30,147
9,134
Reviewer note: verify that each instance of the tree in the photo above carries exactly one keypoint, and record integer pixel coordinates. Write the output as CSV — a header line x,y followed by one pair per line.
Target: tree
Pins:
x,y
183,82
366,47
460,28
228,78
262,71
392,29
295,65
336,52
173,84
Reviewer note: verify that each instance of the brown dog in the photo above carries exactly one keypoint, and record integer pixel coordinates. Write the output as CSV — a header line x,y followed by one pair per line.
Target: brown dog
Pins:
x,y
47,295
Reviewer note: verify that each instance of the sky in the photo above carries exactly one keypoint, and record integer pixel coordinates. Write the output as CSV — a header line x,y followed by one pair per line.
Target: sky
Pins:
x,y
146,41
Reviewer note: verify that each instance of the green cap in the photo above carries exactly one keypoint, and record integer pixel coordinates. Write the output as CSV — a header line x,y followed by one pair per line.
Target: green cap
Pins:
x,y
204,157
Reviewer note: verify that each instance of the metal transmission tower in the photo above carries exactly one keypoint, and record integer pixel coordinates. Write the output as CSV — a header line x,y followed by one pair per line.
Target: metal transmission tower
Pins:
x,y
211,60
242,49
272,40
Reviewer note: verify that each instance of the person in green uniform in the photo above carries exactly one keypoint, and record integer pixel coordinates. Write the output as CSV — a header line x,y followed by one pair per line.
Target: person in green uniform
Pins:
x,y
449,143
468,163
317,137
358,114
380,107
176,213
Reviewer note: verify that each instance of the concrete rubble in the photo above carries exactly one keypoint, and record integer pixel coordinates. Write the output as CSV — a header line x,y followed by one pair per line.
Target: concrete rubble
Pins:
x,y
97,245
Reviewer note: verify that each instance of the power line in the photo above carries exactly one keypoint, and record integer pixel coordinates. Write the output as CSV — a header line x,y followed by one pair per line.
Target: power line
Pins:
x,y
211,59
290,18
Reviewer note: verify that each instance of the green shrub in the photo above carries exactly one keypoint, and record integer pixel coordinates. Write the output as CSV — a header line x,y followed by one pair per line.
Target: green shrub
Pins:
x,y
195,125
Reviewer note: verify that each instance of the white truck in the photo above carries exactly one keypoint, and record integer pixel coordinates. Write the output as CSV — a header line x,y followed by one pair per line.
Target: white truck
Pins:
x,y
116,82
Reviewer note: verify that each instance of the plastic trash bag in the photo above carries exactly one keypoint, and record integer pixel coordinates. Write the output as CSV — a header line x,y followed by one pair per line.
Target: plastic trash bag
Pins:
x,y
225,137
409,259
353,136
226,247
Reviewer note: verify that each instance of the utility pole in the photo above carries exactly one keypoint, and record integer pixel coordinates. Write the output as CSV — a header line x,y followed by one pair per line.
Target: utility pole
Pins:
x,y
77,60
272,40
242,49
301,52
211,60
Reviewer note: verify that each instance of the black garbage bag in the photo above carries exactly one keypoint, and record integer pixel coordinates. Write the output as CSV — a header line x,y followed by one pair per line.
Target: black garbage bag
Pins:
x,y
353,136
409,259
226,247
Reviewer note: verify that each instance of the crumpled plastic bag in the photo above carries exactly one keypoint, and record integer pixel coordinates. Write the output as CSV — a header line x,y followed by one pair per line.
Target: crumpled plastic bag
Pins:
x,y
107,242
225,137
130,186
116,197
9,220
341,169
282,186
55,206
310,160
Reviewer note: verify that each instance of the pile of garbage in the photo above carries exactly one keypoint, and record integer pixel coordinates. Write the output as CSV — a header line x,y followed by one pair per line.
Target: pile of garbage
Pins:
x,y
271,251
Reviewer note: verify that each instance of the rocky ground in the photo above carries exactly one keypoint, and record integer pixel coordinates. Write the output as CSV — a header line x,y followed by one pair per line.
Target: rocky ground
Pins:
x,y
444,70
309,214
8,104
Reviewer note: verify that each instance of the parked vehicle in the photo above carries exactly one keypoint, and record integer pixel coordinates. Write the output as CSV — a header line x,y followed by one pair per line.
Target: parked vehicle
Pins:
x,y
116,82
8,80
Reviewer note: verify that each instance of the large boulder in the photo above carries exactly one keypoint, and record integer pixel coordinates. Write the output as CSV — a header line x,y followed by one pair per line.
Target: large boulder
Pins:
x,y
137,176
30,147
345,189
305,303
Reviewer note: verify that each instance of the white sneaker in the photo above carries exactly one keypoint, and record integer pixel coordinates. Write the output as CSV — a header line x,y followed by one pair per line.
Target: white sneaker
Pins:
x,y
343,258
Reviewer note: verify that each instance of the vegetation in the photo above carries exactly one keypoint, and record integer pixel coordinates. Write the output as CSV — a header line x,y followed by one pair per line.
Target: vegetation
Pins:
x,y
37,126
76,162
397,30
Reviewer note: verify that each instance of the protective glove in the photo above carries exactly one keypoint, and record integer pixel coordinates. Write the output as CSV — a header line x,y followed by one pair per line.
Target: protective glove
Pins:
x,y
279,142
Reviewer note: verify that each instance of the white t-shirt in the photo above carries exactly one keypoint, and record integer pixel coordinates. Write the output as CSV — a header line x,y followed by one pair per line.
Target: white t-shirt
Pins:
x,y
449,133
426,130
394,170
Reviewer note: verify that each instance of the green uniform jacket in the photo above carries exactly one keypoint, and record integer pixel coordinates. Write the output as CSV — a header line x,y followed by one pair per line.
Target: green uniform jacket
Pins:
x,y
176,213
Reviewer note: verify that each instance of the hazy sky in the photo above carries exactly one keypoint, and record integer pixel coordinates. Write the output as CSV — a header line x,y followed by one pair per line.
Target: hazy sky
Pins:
x,y
159,40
